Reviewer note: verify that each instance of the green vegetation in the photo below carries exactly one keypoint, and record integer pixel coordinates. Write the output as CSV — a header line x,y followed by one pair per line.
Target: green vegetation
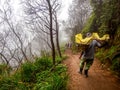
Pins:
x,y
105,18
89,25
39,75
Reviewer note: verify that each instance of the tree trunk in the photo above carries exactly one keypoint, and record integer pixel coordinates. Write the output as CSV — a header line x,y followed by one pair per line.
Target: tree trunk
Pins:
x,y
57,36
51,32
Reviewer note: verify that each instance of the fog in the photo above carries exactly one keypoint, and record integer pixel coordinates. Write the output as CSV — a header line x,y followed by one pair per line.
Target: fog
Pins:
x,y
18,38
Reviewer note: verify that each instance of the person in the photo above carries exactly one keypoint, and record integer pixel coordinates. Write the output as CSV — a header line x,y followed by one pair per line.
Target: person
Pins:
x,y
87,56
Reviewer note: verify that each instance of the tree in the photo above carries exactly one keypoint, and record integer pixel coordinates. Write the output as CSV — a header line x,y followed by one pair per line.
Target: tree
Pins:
x,y
79,12
57,35
16,38
42,13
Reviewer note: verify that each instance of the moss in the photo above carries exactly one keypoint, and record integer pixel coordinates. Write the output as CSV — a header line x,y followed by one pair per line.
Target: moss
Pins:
x,y
89,24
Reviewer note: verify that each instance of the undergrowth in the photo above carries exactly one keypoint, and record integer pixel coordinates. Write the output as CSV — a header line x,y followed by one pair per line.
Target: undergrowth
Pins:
x,y
39,75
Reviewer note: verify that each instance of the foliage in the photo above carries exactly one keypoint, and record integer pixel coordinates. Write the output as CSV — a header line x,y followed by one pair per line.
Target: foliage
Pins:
x,y
10,83
105,18
62,49
43,63
7,83
116,39
116,65
89,25
5,70
109,56
28,72
38,75
52,81
59,60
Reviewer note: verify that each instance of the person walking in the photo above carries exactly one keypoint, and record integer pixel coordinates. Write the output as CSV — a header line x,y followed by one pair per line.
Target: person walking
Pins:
x,y
87,56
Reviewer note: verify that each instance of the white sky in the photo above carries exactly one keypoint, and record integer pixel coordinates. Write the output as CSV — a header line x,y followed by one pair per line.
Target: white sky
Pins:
x,y
64,9
63,17
18,9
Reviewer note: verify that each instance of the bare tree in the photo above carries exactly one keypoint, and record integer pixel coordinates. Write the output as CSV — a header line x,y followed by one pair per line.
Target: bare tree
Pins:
x,y
57,35
15,41
2,48
41,12
79,12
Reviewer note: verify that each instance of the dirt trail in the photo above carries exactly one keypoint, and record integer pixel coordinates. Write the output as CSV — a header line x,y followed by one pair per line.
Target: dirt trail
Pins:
x,y
98,79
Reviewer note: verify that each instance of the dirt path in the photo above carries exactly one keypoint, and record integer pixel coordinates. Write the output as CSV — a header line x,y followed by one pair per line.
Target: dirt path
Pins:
x,y
98,79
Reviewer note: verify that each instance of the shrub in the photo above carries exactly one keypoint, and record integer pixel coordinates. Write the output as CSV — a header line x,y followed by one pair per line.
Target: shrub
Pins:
x,y
7,84
55,80
5,70
36,76
28,72
42,64
116,65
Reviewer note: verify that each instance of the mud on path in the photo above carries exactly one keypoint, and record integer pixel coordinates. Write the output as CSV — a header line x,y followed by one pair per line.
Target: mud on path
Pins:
x,y
98,79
